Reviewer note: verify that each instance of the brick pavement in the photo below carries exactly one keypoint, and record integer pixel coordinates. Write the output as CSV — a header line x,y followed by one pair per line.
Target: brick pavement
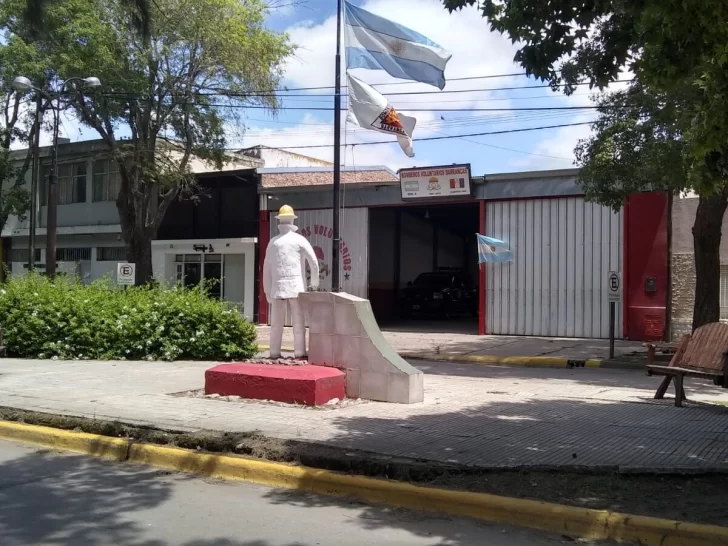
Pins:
x,y
427,339
478,415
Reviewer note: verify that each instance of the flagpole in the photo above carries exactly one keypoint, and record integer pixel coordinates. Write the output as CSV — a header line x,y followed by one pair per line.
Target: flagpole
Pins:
x,y
335,285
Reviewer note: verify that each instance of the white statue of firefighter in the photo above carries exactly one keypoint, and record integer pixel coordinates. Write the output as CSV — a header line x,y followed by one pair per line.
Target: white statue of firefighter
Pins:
x,y
283,280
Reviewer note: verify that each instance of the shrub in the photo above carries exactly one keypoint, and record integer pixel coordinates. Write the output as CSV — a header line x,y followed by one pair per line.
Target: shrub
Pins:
x,y
67,319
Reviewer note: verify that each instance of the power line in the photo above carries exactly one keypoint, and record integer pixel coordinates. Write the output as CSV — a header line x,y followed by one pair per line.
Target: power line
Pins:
x,y
327,109
264,94
506,131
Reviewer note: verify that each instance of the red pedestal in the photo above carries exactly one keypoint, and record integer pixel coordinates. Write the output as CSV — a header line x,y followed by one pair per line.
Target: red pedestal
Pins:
x,y
310,385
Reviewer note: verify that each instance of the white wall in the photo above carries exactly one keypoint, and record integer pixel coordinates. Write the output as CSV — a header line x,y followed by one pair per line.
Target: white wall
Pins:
x,y
234,277
275,158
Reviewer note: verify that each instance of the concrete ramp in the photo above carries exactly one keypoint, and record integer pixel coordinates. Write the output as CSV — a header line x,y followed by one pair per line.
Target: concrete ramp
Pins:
x,y
344,334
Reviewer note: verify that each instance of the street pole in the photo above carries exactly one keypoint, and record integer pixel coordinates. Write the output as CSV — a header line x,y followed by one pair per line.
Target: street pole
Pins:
x,y
52,223
336,242
34,183
612,321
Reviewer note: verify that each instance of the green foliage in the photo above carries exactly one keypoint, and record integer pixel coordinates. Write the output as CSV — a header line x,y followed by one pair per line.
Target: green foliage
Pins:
x,y
66,319
671,46
637,146
174,89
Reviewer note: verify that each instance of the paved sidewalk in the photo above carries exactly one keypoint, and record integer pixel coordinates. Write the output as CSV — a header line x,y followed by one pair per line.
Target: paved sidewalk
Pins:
x,y
477,415
424,342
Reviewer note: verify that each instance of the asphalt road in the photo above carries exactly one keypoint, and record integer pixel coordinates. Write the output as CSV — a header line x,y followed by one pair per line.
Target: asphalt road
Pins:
x,y
49,498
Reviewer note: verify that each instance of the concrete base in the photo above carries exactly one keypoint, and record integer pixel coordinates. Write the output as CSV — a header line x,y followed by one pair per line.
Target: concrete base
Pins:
x,y
343,333
310,385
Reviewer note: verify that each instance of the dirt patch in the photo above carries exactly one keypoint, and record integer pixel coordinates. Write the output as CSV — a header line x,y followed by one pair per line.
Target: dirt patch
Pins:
x,y
687,497
333,404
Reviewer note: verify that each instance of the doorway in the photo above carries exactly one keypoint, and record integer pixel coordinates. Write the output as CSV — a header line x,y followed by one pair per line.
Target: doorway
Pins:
x,y
426,253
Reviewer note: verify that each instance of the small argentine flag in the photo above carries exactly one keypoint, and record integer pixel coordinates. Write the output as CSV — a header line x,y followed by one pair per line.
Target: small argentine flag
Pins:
x,y
493,250
376,43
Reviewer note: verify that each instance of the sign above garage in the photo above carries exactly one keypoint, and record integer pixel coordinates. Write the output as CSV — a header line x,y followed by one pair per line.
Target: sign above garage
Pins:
x,y
435,182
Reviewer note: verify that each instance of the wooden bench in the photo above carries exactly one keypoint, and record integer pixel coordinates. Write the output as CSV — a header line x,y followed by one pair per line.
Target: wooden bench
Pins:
x,y
662,348
703,354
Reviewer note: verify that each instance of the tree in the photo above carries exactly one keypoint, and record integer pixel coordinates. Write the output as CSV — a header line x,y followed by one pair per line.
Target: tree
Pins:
x,y
167,97
674,48
17,124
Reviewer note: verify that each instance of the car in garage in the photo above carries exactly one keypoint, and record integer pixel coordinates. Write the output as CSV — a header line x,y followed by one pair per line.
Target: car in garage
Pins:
x,y
444,293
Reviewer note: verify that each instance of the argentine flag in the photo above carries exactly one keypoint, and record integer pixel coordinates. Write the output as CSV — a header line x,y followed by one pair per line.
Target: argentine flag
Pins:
x,y
379,44
492,250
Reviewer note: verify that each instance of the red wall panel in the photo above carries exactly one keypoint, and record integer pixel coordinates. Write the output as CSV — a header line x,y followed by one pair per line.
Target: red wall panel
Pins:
x,y
646,269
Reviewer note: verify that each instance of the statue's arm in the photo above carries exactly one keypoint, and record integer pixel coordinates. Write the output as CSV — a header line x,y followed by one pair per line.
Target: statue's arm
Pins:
x,y
267,274
310,256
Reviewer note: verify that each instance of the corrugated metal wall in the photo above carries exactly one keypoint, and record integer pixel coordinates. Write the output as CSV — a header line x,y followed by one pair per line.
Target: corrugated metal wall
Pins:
x,y
556,284
317,226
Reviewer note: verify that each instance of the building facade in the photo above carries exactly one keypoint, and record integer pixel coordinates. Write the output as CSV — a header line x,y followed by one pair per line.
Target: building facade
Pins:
x,y
563,248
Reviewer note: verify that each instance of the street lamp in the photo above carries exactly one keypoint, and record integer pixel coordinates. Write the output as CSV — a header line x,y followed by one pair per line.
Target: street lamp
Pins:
x,y
21,83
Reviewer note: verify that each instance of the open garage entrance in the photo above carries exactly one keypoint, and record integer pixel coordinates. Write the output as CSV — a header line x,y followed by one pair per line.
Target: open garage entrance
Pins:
x,y
423,267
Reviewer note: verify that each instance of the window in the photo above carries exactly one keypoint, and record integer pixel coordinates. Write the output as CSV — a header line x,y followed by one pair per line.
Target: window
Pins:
x,y
73,254
107,181
22,255
724,291
71,183
191,269
111,254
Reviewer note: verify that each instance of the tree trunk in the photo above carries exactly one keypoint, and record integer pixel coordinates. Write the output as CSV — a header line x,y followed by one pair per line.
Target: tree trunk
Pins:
x,y
139,252
138,241
706,245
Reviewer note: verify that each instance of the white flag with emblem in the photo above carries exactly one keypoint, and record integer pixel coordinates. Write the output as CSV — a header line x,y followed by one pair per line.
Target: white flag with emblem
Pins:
x,y
369,109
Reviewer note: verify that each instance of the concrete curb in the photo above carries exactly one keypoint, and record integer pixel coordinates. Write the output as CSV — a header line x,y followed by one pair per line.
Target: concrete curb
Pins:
x,y
494,360
570,520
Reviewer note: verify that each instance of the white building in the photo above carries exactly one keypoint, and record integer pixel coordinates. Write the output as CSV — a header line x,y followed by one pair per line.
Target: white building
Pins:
x,y
214,238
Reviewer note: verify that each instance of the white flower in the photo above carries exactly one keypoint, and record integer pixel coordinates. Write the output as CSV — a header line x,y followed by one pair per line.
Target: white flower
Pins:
x,y
227,355
139,347
85,301
54,358
35,293
181,315
147,325
3,292
128,351
192,339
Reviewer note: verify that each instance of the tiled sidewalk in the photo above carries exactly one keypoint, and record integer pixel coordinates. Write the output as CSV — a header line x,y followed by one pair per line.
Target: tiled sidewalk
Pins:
x,y
479,415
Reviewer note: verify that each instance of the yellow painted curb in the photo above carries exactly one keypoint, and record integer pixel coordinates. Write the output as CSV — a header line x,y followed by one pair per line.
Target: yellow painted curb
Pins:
x,y
570,520
495,360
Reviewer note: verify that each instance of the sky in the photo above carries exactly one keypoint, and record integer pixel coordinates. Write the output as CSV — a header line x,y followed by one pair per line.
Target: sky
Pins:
x,y
476,52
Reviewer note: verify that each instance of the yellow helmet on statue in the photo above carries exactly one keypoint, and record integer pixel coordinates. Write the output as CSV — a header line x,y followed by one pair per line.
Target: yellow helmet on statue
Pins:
x,y
286,211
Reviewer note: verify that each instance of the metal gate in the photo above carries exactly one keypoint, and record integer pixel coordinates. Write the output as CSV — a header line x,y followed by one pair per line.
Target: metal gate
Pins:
x,y
556,284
